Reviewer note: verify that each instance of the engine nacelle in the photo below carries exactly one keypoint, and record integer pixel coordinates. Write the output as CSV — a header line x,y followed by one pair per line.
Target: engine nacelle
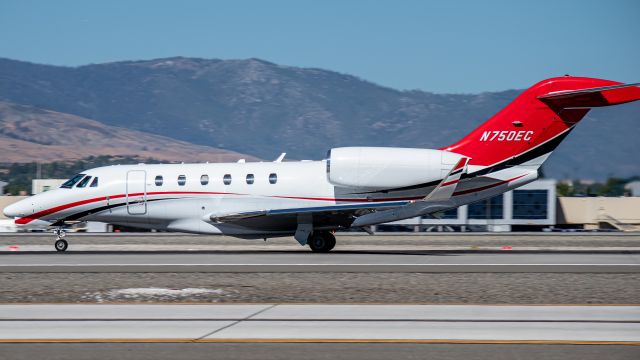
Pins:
x,y
384,168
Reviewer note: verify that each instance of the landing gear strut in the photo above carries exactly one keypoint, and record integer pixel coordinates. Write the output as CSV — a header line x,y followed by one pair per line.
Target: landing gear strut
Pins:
x,y
60,244
322,241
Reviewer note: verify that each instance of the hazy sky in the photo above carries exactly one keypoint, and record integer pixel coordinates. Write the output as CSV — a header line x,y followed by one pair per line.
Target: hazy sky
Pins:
x,y
440,46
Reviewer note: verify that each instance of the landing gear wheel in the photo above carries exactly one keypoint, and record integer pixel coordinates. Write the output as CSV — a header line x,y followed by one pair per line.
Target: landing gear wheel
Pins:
x,y
330,239
322,242
61,245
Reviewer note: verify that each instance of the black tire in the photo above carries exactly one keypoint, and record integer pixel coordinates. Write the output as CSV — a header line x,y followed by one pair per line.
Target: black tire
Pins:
x,y
322,242
330,239
61,245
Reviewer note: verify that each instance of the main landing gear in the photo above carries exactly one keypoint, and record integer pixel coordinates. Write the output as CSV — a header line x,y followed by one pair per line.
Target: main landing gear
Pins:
x,y
322,241
60,244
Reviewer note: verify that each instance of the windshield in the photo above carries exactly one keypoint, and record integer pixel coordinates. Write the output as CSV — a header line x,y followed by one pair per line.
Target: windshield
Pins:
x,y
84,182
69,183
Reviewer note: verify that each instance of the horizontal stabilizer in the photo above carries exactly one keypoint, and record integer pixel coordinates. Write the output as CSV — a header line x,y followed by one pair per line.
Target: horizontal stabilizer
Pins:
x,y
594,97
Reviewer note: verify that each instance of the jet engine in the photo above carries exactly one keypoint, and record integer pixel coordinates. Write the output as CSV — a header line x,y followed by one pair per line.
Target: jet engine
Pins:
x,y
378,168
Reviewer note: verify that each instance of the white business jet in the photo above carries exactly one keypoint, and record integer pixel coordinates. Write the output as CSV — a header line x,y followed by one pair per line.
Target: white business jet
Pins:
x,y
354,187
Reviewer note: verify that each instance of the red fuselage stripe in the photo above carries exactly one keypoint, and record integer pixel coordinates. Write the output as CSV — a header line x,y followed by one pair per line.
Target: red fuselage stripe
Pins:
x,y
450,183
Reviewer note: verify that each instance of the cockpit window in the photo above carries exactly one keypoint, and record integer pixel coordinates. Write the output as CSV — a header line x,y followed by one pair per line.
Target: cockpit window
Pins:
x,y
94,183
84,182
69,183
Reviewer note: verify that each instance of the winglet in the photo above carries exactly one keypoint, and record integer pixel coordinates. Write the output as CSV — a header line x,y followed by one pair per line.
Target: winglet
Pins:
x,y
448,185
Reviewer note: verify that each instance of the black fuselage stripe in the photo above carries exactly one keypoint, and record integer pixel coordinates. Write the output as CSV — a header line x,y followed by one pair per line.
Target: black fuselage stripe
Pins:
x,y
529,155
88,212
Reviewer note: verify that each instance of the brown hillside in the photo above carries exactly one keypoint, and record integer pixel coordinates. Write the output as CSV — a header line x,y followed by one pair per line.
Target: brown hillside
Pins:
x,y
30,134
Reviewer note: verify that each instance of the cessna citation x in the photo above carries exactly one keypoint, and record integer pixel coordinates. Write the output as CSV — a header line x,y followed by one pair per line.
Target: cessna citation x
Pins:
x,y
354,187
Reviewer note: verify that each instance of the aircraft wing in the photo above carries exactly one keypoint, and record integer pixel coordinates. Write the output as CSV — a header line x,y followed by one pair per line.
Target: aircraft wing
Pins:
x,y
338,208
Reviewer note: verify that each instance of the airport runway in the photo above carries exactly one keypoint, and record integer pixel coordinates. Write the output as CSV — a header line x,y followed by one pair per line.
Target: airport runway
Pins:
x,y
157,291
269,262
322,323
383,242
313,351
408,268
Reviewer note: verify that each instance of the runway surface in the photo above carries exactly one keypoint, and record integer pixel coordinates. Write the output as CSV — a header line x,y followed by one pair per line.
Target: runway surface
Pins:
x,y
322,323
269,262
156,292
382,242
516,268
313,351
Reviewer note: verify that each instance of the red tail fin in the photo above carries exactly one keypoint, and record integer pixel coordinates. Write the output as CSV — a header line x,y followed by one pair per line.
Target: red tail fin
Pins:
x,y
538,120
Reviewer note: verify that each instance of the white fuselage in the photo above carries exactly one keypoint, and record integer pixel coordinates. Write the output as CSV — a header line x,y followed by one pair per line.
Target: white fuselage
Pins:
x,y
131,195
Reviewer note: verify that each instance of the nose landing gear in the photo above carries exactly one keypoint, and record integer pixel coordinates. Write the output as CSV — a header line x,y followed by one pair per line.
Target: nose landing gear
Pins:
x,y
60,244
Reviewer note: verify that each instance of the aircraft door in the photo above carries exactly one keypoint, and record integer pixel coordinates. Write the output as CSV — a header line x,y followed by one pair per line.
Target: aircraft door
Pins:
x,y
137,192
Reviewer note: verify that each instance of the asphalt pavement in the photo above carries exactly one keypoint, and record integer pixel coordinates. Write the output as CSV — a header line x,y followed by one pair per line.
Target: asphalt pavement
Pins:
x,y
370,299
313,351
517,268
294,262
383,242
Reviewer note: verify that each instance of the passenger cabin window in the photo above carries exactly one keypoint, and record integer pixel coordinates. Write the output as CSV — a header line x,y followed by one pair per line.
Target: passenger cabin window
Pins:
x,y
227,179
83,182
273,178
159,180
250,179
182,180
204,179
94,183
69,183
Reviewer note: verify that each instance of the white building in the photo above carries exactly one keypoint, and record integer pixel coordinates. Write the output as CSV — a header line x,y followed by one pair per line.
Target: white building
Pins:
x,y
41,185
633,188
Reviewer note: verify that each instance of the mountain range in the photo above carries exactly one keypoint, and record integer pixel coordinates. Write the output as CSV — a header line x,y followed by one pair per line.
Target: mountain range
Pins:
x,y
29,134
259,108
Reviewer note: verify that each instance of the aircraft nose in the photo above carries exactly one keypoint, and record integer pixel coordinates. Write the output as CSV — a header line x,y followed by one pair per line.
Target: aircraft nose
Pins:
x,y
18,209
